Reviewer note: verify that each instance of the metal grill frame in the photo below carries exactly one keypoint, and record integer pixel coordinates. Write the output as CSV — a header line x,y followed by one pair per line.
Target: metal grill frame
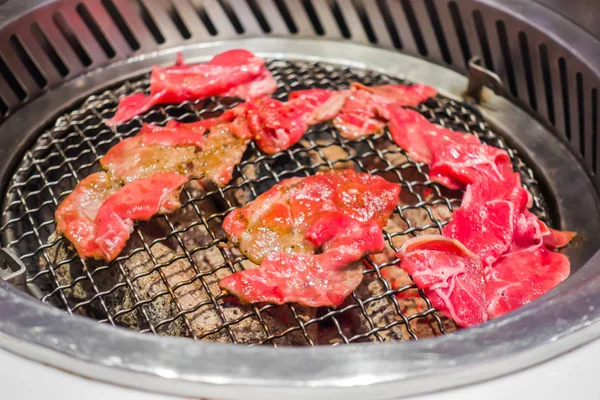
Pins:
x,y
192,368
51,156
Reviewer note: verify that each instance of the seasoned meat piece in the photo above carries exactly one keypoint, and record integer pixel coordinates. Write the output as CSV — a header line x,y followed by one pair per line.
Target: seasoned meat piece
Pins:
x,y
76,215
138,200
276,126
170,148
220,155
366,109
340,212
97,218
149,287
221,76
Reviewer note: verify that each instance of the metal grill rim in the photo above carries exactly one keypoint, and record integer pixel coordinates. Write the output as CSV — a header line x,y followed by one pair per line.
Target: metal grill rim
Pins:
x,y
98,107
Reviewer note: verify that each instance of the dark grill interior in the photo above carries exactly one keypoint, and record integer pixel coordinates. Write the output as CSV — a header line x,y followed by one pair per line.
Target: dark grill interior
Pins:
x,y
165,282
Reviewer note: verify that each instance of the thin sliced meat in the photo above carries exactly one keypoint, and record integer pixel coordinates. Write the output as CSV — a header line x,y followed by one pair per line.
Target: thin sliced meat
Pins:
x,y
223,75
323,105
554,239
276,126
339,215
314,280
486,230
155,149
221,153
487,219
450,275
457,166
139,200
401,95
366,110
522,276
419,137
262,85
278,219
76,214
510,243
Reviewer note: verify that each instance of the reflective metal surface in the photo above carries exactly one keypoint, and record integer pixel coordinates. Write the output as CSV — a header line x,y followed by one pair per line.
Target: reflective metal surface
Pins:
x,y
561,320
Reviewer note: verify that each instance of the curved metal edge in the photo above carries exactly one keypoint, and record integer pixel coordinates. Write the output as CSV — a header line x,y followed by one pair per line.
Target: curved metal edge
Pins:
x,y
565,319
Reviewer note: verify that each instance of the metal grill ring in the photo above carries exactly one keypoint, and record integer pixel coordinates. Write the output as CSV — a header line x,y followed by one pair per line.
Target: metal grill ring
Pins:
x,y
165,281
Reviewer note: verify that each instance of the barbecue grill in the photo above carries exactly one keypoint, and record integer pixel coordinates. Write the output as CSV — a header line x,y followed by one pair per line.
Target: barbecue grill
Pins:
x,y
522,76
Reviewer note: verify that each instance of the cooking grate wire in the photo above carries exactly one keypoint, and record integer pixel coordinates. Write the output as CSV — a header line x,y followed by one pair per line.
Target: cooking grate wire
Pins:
x,y
70,149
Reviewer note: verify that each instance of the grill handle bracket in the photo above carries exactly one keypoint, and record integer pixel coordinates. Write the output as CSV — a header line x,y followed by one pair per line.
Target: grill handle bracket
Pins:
x,y
480,77
12,270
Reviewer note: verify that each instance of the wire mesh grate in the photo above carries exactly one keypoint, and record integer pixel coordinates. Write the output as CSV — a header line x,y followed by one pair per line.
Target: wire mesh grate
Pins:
x,y
165,281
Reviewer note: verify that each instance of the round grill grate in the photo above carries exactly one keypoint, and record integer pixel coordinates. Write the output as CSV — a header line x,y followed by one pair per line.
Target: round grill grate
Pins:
x,y
165,282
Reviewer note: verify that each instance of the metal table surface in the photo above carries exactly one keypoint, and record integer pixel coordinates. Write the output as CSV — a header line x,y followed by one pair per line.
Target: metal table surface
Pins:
x,y
571,375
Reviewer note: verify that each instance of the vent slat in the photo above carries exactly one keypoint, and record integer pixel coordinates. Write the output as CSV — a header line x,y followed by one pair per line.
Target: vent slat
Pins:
x,y
163,21
384,39
192,21
108,27
246,16
301,19
8,96
84,35
60,44
275,19
464,31
39,58
595,125
355,26
519,62
135,23
537,74
557,95
402,27
573,110
586,126
447,26
434,50
218,16
14,64
495,50
327,20
92,25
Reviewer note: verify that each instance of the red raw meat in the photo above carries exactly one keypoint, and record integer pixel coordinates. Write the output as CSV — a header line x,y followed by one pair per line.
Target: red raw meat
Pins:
x,y
314,280
450,275
276,126
457,166
366,110
341,213
262,85
521,276
139,200
419,137
493,222
170,148
554,239
235,72
76,214
321,104
401,95
489,214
